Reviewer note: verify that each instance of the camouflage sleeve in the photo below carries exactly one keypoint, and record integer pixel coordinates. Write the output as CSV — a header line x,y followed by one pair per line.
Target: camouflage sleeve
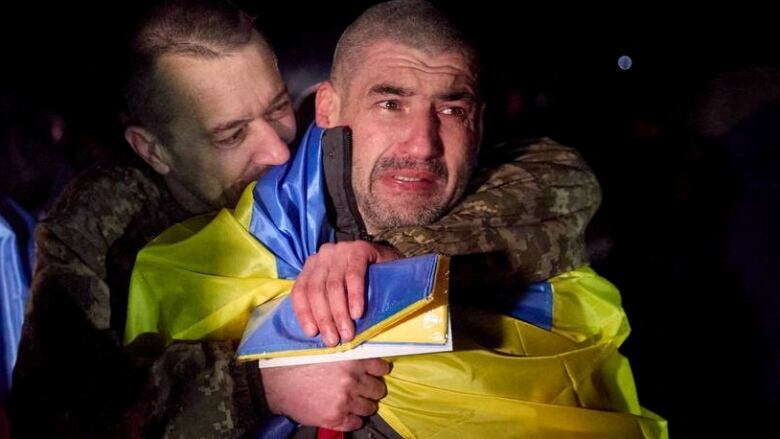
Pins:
x,y
74,379
195,390
523,221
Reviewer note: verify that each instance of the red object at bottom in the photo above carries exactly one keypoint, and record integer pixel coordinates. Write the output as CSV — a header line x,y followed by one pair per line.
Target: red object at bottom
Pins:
x,y
324,433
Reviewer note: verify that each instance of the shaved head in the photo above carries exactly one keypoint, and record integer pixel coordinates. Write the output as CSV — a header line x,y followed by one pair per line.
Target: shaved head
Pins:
x,y
414,23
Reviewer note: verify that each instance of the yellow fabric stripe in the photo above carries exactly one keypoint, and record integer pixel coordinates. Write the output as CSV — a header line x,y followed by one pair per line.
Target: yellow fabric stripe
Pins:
x,y
508,378
587,308
201,278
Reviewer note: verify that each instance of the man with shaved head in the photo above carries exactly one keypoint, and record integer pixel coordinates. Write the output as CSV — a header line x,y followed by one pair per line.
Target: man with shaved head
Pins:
x,y
403,114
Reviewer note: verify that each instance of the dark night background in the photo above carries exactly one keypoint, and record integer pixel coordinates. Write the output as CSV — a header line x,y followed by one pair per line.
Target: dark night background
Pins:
x,y
685,151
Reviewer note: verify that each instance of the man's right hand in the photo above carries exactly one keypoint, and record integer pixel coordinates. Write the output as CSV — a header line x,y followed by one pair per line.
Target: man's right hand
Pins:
x,y
330,395
329,293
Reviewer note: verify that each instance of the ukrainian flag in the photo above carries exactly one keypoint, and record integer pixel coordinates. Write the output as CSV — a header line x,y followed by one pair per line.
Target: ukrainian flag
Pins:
x,y
546,366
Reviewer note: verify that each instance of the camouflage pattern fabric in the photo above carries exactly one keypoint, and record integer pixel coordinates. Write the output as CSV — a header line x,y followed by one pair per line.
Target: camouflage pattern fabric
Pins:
x,y
73,378
523,221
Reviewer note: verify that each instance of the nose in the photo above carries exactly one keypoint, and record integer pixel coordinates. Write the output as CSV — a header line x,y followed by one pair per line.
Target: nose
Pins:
x,y
270,149
423,139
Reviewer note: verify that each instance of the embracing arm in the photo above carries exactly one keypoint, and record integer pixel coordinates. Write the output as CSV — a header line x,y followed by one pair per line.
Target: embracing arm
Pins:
x,y
524,220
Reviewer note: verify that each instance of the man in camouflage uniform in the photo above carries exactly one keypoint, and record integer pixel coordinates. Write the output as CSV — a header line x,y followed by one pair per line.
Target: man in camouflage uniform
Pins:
x,y
74,379
202,140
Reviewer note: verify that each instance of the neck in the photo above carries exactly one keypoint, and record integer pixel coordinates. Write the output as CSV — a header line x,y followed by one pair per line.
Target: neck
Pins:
x,y
186,198
371,229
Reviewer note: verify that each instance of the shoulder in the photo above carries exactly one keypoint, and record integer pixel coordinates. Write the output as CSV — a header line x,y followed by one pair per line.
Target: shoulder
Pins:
x,y
99,203
104,189
539,162
104,186
533,152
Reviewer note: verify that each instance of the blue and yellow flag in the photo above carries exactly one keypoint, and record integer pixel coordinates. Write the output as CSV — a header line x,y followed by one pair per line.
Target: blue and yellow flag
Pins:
x,y
546,366
201,279
16,261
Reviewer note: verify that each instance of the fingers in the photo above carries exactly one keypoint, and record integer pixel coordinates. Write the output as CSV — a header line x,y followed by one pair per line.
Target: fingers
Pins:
x,y
349,423
370,387
385,253
363,406
330,395
330,291
337,299
300,305
321,309
362,254
355,280
310,288
376,367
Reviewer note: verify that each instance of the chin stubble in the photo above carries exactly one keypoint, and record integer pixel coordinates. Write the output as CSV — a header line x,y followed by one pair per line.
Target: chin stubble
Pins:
x,y
388,214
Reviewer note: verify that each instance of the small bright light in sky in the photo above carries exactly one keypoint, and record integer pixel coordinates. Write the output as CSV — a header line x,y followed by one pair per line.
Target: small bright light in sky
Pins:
x,y
625,62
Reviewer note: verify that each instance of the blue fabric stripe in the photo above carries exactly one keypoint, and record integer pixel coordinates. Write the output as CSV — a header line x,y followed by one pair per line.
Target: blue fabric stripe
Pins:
x,y
276,427
534,305
16,259
289,219
289,215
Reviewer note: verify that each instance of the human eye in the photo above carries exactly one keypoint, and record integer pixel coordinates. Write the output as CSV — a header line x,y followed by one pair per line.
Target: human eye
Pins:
x,y
455,111
389,105
279,110
235,138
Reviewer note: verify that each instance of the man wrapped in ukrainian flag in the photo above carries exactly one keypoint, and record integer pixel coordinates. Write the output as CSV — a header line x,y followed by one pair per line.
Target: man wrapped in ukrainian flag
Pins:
x,y
539,360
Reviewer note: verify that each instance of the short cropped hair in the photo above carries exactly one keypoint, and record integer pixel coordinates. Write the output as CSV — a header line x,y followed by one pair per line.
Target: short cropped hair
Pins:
x,y
196,28
414,23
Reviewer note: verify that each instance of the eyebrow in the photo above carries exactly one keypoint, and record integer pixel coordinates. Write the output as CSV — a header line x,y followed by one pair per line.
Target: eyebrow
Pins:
x,y
460,95
232,124
394,90
227,126
282,95
387,89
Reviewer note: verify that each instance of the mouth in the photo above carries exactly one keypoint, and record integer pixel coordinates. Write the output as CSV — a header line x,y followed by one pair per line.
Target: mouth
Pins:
x,y
406,176
254,175
236,189
411,181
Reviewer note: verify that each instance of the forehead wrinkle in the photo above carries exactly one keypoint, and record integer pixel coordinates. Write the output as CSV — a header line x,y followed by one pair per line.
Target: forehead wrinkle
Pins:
x,y
411,85
425,68
254,86
420,58
412,78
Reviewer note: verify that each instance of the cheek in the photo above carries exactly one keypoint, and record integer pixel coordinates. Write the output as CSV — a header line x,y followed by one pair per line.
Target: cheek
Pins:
x,y
225,167
367,145
361,166
285,128
459,147
192,164
460,156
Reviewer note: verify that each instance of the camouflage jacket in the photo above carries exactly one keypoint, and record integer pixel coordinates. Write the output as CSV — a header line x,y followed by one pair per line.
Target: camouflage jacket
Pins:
x,y
526,216
73,378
